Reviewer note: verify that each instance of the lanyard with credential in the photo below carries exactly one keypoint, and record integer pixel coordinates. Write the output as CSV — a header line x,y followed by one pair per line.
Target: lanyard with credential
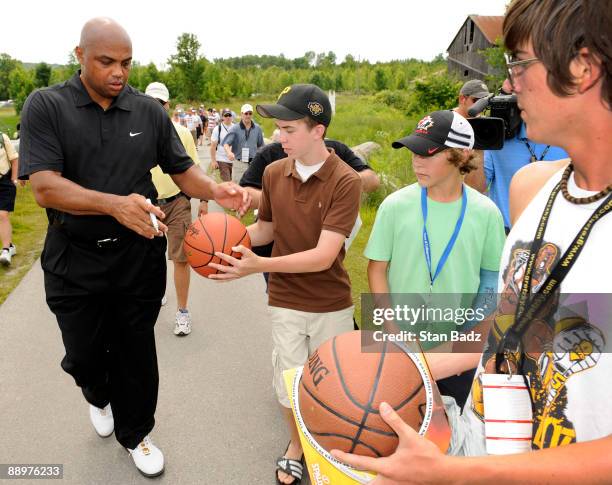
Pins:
x,y
451,242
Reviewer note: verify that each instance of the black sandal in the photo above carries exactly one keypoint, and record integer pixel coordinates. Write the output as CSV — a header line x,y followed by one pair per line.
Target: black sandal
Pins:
x,y
293,468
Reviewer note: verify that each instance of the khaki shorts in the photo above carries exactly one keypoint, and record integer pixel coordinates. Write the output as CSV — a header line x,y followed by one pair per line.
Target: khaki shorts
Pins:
x,y
238,170
296,335
178,218
225,170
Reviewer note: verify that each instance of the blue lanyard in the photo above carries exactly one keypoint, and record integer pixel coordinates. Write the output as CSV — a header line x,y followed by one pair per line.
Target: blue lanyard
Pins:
x,y
451,242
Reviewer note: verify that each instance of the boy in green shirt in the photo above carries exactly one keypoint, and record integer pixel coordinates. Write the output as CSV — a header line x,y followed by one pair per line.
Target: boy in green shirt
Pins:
x,y
437,235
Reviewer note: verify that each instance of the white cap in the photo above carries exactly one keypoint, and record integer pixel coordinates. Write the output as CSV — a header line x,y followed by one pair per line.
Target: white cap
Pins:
x,y
158,91
246,107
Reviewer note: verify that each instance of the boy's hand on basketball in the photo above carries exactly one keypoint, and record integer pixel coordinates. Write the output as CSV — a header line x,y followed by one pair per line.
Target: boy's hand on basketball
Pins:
x,y
415,461
232,196
248,264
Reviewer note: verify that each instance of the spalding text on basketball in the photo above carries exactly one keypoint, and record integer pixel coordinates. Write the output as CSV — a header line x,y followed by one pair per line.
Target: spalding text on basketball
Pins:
x,y
317,368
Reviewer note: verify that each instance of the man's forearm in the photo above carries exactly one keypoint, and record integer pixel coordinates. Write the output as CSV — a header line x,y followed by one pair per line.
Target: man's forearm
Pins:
x,y
15,169
261,233
369,180
195,183
586,462
52,191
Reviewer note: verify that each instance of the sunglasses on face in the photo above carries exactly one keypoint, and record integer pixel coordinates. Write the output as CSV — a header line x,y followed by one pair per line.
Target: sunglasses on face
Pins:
x,y
227,115
249,113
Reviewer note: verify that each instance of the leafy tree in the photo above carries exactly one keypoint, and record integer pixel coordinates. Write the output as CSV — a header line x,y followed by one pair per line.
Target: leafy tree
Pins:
x,y
380,79
21,84
7,64
188,62
495,59
42,75
434,93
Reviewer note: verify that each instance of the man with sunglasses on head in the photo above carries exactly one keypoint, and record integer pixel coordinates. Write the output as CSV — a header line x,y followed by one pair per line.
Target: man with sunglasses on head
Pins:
x,y
552,423
242,142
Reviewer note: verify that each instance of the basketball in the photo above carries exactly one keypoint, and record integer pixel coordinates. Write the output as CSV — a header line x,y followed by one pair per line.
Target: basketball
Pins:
x,y
341,388
208,234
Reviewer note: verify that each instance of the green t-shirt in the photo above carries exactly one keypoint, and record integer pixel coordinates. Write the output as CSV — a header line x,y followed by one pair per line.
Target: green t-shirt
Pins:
x,y
397,237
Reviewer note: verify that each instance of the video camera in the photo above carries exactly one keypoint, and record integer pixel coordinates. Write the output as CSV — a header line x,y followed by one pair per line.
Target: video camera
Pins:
x,y
503,122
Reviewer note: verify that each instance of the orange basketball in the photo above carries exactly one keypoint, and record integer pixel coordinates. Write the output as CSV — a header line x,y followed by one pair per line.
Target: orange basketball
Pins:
x,y
208,234
342,386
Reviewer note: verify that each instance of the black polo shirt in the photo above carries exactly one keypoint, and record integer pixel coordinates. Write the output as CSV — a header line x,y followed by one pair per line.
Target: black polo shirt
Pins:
x,y
112,151
274,151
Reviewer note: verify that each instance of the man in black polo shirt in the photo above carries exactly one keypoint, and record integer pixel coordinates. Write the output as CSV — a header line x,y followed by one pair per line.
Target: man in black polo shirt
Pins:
x,y
88,146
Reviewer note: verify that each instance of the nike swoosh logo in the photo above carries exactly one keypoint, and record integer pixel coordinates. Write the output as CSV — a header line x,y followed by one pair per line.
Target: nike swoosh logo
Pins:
x,y
135,134
432,150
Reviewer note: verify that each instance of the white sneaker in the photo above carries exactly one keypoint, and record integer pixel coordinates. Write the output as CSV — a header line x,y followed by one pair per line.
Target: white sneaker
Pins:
x,y
164,300
5,257
12,249
183,324
102,420
148,458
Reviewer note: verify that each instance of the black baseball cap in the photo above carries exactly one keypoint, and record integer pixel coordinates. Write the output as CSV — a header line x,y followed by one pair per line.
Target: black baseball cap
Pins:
x,y
436,132
299,101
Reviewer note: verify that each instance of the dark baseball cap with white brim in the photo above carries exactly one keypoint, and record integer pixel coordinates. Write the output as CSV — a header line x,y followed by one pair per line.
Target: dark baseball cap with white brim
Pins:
x,y
436,132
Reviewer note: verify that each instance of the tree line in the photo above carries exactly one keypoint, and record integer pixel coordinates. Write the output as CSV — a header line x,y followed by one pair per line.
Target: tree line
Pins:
x,y
191,77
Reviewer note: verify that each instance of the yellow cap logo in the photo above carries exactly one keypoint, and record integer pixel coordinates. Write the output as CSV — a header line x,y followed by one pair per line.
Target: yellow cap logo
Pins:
x,y
284,91
315,108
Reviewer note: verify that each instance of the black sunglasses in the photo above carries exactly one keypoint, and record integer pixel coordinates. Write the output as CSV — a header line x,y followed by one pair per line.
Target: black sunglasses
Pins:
x,y
227,114
248,113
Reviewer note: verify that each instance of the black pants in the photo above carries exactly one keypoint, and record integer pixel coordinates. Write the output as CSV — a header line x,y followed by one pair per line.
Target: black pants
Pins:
x,y
106,301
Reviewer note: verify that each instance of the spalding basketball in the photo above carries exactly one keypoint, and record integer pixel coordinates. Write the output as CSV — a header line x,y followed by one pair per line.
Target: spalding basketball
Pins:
x,y
342,386
213,232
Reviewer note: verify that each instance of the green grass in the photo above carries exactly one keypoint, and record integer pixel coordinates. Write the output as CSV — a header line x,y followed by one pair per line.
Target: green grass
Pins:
x,y
8,121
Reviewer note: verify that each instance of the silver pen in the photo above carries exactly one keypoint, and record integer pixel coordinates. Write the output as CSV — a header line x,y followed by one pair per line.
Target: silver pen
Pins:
x,y
153,218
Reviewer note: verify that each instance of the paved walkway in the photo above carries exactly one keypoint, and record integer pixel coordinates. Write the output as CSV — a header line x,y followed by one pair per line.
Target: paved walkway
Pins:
x,y
217,418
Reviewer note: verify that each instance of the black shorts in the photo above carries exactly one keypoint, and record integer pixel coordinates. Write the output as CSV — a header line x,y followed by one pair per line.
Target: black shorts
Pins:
x,y
198,132
8,191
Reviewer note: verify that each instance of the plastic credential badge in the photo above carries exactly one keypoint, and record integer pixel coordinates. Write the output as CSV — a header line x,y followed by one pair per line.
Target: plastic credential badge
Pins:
x,y
324,469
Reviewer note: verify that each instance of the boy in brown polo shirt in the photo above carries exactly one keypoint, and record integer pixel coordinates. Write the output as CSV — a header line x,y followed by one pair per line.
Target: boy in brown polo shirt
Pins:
x,y
309,203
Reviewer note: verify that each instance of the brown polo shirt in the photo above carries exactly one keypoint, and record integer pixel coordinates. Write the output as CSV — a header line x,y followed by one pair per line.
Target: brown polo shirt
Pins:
x,y
299,211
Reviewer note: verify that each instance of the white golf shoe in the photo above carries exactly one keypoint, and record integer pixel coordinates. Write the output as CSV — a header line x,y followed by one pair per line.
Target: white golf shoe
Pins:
x,y
102,420
148,458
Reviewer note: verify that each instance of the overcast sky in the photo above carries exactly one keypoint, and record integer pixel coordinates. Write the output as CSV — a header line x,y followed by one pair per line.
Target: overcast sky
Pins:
x,y
378,30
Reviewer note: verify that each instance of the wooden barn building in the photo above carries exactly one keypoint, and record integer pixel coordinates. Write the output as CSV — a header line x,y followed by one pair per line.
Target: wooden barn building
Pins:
x,y
477,33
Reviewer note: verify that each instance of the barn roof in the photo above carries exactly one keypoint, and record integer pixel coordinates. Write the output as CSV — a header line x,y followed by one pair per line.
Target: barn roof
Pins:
x,y
489,25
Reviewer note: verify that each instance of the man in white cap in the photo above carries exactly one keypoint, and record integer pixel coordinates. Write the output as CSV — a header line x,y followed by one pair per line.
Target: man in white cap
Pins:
x,y
242,142
177,207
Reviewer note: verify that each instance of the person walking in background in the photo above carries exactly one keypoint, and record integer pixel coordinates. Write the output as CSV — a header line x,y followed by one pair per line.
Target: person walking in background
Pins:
x,y
242,142
9,169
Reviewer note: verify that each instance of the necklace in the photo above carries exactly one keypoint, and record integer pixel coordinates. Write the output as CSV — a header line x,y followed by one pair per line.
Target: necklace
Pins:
x,y
580,200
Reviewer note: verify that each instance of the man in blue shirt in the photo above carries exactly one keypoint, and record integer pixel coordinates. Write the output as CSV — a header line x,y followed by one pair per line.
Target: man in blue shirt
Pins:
x,y
501,165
